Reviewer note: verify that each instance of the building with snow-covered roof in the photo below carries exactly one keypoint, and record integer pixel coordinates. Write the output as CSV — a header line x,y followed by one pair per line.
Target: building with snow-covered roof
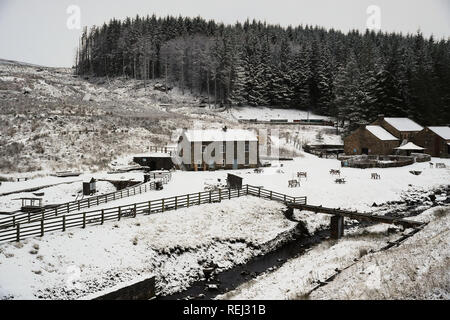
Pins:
x,y
435,140
401,128
224,148
370,140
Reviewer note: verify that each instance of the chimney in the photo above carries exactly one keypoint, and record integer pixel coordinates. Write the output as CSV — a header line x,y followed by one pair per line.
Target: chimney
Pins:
x,y
362,124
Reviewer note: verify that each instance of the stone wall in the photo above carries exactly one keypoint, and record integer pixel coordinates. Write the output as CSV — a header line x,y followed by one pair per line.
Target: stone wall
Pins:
x,y
139,290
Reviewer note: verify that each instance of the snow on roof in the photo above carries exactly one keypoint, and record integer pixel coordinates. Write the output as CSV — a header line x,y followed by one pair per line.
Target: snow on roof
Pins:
x,y
443,132
220,135
410,146
403,124
380,133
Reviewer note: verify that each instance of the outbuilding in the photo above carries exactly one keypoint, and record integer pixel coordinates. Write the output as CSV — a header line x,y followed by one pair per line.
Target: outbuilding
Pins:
x,y
155,161
401,128
370,140
89,186
435,140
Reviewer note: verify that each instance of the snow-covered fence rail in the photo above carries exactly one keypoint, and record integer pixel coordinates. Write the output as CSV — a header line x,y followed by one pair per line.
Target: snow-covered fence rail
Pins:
x,y
78,205
98,217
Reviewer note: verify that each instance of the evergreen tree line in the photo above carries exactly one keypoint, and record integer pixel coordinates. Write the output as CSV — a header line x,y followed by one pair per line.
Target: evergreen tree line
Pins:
x,y
353,76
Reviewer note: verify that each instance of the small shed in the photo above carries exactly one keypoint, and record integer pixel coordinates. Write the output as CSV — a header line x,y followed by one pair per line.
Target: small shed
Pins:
x,y
89,186
234,181
155,161
31,204
435,140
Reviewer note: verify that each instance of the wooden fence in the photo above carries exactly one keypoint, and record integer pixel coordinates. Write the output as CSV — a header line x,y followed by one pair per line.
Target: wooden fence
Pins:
x,y
47,224
54,211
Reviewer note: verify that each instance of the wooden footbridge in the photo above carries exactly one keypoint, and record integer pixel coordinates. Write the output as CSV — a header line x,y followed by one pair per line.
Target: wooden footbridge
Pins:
x,y
338,215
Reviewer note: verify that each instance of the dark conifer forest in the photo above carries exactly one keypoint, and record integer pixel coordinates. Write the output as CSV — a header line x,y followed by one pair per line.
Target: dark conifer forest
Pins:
x,y
352,76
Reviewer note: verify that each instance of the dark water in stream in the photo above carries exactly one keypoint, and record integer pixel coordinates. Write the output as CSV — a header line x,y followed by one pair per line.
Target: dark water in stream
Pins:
x,y
225,281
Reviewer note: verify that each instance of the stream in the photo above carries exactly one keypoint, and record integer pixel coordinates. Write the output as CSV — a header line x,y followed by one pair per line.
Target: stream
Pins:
x,y
214,284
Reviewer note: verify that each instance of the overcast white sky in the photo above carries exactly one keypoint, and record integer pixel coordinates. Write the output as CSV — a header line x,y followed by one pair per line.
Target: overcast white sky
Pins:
x,y
35,31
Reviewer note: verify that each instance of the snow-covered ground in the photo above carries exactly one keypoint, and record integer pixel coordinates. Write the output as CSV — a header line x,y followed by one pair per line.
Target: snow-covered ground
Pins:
x,y
173,245
417,269
359,193
60,193
266,114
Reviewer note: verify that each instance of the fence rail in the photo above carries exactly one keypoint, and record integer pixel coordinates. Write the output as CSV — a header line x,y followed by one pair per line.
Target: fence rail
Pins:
x,y
65,208
47,224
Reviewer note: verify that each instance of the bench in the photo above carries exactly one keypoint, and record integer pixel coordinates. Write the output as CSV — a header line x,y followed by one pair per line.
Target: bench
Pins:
x,y
335,172
293,183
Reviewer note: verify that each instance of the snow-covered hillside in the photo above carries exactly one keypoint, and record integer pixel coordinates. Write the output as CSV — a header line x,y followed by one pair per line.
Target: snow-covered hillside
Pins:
x,y
52,120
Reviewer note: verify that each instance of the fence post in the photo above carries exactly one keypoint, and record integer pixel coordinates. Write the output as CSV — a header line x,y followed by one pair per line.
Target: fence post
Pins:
x,y
188,200
64,223
56,210
97,200
78,205
259,192
199,198
134,211
149,207
18,232
42,227
89,202
103,216
68,208
176,202
84,220
270,195
210,196
162,205
29,217
14,220
247,189
229,193
120,214
220,195
239,193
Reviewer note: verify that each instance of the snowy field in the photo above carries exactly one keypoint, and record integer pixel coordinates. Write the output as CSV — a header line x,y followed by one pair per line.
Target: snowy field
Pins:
x,y
174,245
359,193
266,114
60,193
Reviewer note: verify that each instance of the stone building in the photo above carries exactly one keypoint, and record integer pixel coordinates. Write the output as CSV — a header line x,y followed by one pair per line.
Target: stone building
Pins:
x,y
218,149
435,140
401,128
370,140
